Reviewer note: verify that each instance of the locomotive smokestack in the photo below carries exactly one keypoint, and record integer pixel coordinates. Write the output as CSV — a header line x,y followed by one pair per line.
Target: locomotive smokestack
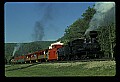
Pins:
x,y
93,35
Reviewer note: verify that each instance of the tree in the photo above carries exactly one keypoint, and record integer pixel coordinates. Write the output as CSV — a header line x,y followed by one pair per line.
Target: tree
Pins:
x,y
107,39
89,13
78,28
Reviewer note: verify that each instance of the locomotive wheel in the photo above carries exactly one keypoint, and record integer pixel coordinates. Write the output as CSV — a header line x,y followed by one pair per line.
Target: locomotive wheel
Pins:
x,y
76,57
72,58
46,60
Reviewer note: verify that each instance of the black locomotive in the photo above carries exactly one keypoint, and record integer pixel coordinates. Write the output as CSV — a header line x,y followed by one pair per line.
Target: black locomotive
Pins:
x,y
81,48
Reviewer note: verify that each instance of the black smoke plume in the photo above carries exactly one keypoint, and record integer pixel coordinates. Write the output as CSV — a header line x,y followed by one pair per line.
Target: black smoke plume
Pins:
x,y
40,25
38,31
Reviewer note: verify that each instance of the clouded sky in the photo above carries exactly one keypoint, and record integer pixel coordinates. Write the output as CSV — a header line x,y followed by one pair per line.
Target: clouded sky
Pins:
x,y
25,22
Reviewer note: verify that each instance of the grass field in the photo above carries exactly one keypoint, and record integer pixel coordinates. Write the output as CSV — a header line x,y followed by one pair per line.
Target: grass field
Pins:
x,y
93,68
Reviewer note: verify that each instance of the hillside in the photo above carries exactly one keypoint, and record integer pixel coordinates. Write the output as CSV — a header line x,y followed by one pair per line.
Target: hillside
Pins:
x,y
93,68
25,48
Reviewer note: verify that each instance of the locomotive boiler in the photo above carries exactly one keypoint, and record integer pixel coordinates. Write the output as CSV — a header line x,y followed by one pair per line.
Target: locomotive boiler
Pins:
x,y
81,48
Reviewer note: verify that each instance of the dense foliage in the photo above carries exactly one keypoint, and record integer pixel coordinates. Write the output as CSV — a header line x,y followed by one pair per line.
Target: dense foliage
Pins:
x,y
107,39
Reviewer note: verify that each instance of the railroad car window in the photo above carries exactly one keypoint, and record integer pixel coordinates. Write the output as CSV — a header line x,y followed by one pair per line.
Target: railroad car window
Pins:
x,y
34,55
31,55
43,52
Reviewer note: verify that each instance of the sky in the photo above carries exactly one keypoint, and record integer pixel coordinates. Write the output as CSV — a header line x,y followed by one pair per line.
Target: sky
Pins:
x,y
21,17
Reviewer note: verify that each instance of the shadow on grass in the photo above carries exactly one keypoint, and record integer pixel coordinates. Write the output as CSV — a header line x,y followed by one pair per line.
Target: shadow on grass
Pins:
x,y
22,67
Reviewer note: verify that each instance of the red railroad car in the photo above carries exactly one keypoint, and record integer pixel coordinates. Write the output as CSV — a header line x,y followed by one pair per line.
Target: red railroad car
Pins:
x,y
28,58
40,55
21,59
52,51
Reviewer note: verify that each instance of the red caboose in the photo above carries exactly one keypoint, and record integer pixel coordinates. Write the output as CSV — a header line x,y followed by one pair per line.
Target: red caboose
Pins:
x,y
52,51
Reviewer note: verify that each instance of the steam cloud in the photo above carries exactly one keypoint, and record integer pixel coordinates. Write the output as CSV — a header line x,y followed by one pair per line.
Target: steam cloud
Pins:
x,y
105,14
40,25
16,48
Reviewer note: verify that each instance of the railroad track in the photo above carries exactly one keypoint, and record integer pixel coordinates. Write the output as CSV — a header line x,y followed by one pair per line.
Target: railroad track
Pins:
x,y
72,61
87,60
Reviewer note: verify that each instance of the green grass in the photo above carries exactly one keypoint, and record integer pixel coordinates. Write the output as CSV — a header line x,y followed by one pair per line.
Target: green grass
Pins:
x,y
95,68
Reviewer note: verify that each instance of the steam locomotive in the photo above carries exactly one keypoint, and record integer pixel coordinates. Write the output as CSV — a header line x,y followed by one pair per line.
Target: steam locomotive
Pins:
x,y
78,49
81,48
